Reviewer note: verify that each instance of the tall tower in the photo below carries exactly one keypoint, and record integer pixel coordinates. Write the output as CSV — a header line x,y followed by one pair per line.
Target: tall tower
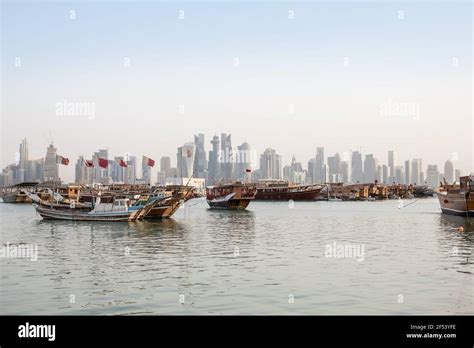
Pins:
x,y
51,168
24,161
213,165
227,157
200,158
391,164
165,165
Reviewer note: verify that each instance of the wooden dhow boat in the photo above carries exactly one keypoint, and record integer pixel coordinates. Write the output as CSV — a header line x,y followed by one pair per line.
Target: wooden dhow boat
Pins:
x,y
457,199
18,193
278,190
233,196
107,206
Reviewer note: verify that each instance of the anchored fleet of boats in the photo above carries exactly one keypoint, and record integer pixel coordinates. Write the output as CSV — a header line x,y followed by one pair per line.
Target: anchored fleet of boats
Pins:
x,y
122,202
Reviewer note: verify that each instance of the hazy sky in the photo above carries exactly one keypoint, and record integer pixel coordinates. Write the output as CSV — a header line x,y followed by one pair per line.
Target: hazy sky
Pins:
x,y
291,76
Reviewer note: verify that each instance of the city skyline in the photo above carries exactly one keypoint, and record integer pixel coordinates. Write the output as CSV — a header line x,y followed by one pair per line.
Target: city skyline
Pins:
x,y
232,163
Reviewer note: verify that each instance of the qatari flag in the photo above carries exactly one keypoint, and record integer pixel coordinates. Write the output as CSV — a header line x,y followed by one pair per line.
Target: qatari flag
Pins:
x,y
149,161
122,163
103,163
62,160
88,163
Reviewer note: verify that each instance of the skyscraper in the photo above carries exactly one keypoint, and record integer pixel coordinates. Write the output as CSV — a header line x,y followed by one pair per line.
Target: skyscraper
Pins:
x,y
357,172
385,174
270,164
165,165
457,174
243,161
345,171
392,159
23,175
185,160
399,174
213,165
407,172
146,171
51,168
116,171
227,157
312,171
130,172
432,176
200,158
416,173
334,164
320,173
370,168
449,172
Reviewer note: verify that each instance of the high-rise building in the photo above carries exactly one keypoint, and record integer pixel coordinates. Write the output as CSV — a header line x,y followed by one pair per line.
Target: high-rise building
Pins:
x,y
385,174
416,173
399,175
185,160
407,172
99,174
116,171
200,158
51,168
161,178
432,176
357,171
457,174
23,175
345,171
334,164
449,172
165,165
294,172
130,172
35,170
378,174
312,171
370,167
214,158
320,172
146,171
243,161
325,174
227,157
392,159
270,165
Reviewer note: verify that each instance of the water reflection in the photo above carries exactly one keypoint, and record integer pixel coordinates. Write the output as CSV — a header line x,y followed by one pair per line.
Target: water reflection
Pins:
x,y
453,221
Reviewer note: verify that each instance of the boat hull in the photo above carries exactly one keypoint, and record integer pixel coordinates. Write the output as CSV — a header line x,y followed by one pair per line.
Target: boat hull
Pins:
x,y
16,198
231,204
456,204
164,211
79,215
277,195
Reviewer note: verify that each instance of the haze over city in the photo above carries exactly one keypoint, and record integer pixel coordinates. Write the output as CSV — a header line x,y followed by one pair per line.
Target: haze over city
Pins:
x,y
287,76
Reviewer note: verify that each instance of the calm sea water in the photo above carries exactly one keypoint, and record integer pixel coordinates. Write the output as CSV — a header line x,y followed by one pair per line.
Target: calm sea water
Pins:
x,y
271,259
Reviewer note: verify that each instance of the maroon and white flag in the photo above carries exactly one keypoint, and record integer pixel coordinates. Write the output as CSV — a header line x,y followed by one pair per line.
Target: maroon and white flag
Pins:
x,y
88,163
149,162
103,163
62,160
122,163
